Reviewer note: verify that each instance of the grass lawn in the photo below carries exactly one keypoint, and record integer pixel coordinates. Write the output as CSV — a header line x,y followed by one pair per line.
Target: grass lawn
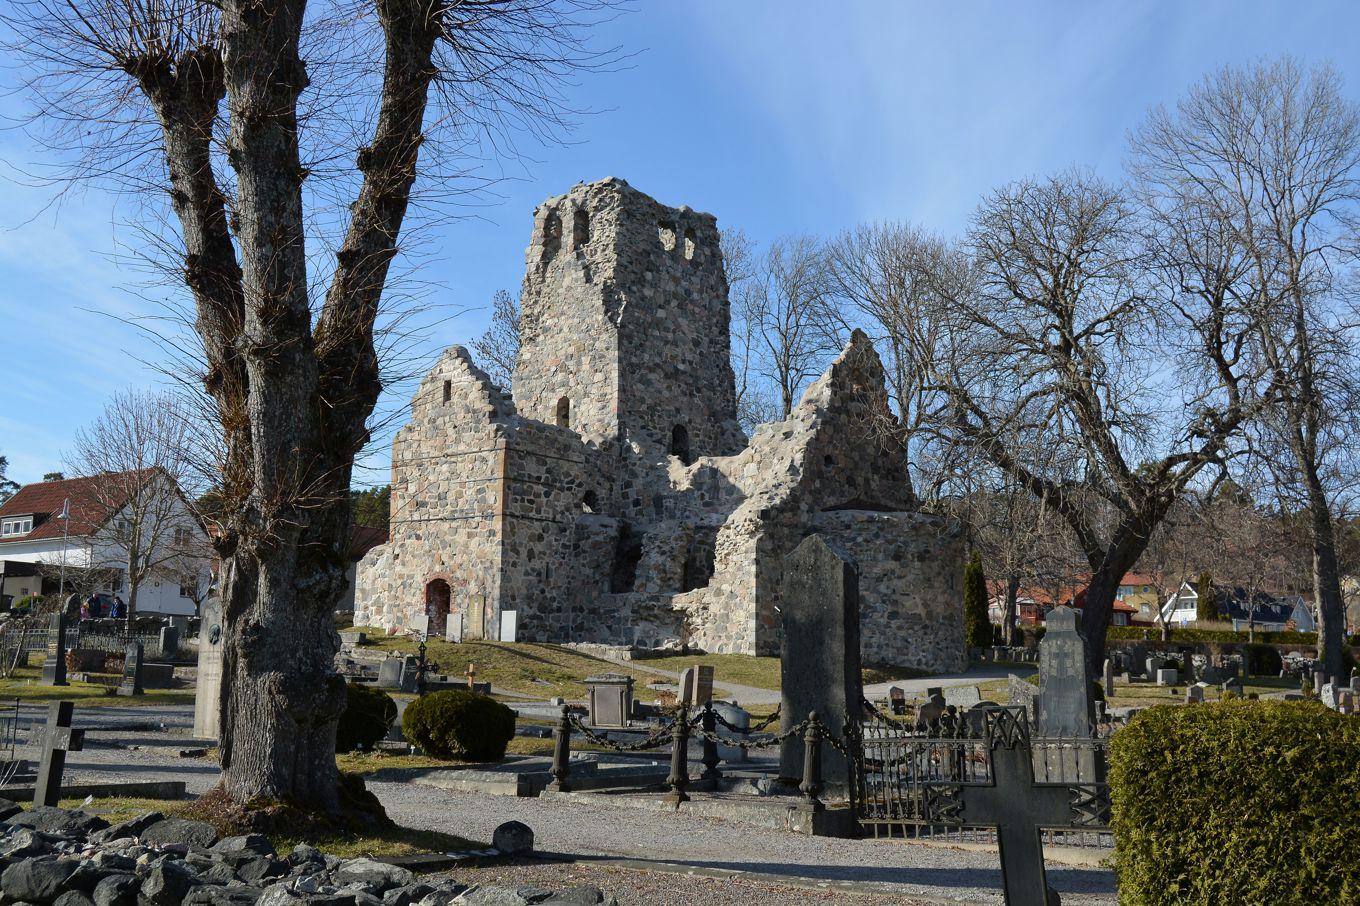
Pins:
x,y
529,669
398,841
742,669
24,685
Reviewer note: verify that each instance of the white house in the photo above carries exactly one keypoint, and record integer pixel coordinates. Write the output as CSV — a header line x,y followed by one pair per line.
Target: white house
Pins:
x,y
1267,613
89,524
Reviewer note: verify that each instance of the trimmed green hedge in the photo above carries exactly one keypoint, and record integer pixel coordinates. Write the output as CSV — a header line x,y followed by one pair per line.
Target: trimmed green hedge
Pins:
x,y
1191,634
1237,802
459,724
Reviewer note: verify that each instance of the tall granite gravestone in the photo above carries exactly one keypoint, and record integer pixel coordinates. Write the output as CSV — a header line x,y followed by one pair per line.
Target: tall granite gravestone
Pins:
x,y
208,687
1109,678
54,667
819,658
1065,701
453,628
169,639
696,685
132,670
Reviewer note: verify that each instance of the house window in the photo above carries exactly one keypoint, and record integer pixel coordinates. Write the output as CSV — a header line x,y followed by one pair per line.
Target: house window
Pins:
x,y
188,587
20,525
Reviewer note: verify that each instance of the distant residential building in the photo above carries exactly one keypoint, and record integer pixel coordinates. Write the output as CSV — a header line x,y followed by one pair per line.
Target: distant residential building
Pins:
x,y
1032,603
78,524
1242,608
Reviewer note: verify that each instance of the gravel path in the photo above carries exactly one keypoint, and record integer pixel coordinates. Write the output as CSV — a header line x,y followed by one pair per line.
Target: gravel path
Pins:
x,y
664,857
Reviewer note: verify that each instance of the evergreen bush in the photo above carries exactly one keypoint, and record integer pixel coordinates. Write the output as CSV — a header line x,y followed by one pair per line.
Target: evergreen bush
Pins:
x,y
1206,604
369,713
459,724
977,628
1237,802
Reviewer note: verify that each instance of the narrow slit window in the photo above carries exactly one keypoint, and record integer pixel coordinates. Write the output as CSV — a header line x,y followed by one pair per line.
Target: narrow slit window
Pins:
x,y
580,228
689,244
448,391
564,413
552,236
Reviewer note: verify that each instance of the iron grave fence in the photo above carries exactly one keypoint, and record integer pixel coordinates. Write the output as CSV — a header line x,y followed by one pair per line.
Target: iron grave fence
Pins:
x,y
963,776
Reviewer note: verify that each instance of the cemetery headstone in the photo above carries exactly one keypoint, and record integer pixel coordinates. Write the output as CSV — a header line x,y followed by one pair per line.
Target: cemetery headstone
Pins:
x,y
453,628
169,640
208,687
1232,685
132,670
696,685
1065,700
1355,681
897,700
1137,661
410,674
1194,693
509,625
57,739
819,657
1154,663
1168,676
962,696
1108,684
1023,694
1329,695
389,673
738,718
54,666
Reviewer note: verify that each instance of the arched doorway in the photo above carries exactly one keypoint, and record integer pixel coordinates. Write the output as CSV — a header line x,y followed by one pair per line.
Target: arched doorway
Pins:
x,y
437,597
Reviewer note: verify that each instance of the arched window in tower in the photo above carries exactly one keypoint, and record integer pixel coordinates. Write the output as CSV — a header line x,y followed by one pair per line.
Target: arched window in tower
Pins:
x,y
590,503
680,444
580,228
552,236
690,244
564,413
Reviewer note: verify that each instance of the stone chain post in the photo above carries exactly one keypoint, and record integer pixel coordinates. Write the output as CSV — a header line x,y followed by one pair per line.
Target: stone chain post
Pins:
x,y
561,763
679,777
812,765
710,759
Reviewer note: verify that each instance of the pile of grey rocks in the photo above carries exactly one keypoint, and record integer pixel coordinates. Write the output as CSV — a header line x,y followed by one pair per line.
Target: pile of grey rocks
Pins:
x,y
62,857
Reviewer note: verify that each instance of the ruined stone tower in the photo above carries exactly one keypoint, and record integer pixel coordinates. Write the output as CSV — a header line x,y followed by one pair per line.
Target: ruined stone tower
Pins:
x,y
625,334
612,498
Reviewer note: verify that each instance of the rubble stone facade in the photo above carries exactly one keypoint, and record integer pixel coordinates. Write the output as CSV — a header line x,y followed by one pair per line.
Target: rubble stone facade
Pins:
x,y
615,500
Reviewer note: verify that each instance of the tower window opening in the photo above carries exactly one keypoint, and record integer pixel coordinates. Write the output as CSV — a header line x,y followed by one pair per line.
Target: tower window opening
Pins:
x,y
564,413
448,391
552,236
580,228
665,231
689,244
680,444
590,503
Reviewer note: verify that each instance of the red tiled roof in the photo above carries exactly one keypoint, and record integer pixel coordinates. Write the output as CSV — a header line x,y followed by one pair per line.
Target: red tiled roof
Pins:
x,y
93,500
363,539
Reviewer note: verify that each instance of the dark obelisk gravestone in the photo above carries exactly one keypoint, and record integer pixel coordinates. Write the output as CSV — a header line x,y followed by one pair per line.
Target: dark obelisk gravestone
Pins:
x,y
57,739
132,670
819,659
1066,707
54,667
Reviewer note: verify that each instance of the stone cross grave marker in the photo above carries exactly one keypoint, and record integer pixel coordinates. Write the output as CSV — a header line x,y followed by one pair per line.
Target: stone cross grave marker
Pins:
x,y
54,667
56,740
132,670
1065,701
696,685
819,656
1019,808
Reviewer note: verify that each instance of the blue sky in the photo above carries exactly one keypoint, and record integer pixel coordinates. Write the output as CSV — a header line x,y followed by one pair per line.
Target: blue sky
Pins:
x,y
778,117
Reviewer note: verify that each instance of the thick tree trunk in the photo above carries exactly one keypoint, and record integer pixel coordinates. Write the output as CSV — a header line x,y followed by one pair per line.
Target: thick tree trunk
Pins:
x,y
1008,610
1327,598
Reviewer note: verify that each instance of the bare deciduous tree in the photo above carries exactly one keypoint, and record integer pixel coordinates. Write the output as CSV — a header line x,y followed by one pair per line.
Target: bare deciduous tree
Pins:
x,y
786,308
136,455
1271,155
755,405
213,104
1060,343
497,349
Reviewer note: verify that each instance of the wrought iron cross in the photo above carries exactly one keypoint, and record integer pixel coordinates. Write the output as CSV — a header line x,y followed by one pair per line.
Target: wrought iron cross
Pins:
x,y
57,739
1019,808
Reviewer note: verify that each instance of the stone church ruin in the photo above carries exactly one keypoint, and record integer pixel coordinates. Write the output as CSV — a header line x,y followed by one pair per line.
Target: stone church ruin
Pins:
x,y
615,500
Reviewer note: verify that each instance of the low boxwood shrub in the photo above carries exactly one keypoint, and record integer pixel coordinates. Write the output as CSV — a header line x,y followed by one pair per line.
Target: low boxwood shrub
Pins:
x,y
459,724
1237,802
369,713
